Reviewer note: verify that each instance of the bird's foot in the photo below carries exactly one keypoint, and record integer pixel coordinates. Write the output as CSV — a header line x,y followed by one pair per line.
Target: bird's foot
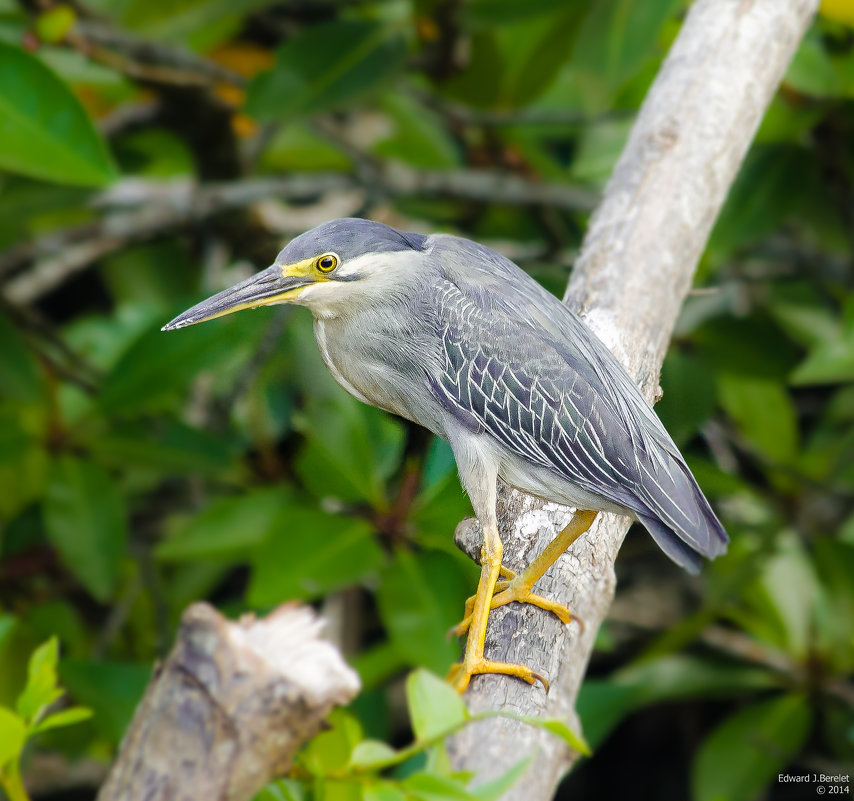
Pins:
x,y
460,674
515,587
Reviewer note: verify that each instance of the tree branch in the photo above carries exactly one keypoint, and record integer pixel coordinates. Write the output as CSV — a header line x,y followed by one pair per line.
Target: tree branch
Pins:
x,y
150,61
229,708
633,273
137,210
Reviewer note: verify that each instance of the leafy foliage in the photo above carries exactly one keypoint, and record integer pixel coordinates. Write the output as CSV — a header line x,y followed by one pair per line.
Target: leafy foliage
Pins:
x,y
45,132
33,714
358,767
154,152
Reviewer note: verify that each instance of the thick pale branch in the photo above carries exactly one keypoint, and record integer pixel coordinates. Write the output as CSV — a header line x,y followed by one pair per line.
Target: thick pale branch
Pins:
x,y
229,708
634,271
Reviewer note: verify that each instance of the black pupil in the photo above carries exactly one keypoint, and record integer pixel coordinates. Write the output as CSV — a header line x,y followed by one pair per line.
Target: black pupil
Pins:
x,y
327,262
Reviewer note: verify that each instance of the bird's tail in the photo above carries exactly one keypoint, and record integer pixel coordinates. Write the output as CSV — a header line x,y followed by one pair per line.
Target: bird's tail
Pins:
x,y
678,516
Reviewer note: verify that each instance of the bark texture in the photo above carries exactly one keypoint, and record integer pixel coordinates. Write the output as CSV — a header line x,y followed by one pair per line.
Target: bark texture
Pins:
x,y
225,713
634,270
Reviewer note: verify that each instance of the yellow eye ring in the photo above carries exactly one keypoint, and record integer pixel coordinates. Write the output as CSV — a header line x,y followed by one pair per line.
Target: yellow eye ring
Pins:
x,y
326,263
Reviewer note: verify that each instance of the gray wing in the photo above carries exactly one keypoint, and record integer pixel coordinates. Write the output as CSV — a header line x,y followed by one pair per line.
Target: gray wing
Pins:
x,y
535,378
505,380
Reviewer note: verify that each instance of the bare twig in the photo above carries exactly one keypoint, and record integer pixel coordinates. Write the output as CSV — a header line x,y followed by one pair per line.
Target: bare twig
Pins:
x,y
635,269
146,60
526,116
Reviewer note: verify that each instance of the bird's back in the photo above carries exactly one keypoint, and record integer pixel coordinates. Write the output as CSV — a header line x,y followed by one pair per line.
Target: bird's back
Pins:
x,y
522,368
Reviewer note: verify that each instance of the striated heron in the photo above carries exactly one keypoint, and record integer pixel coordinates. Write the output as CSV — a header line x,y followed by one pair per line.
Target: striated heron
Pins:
x,y
450,334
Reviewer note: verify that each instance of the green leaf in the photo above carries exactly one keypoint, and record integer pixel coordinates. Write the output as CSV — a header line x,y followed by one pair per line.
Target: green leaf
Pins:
x,y
807,322
159,365
383,791
603,703
764,413
65,717
616,38
7,626
779,607
285,790
153,275
763,195
85,520
20,377
77,69
310,553
297,146
830,363
434,706
16,437
13,735
177,19
835,563
488,13
831,356
600,145
169,447
352,449
420,137
689,395
556,727
330,750
41,690
228,528
433,787
435,513
813,71
44,131
479,84
678,676
371,753
23,476
45,658
111,689
535,52
495,789
326,66
754,348
421,596
746,752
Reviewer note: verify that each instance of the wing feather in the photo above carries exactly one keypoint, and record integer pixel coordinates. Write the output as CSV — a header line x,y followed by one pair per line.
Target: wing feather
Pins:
x,y
540,408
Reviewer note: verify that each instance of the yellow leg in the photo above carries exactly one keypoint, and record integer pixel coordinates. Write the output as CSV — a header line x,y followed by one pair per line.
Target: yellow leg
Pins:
x,y
518,587
474,661
505,573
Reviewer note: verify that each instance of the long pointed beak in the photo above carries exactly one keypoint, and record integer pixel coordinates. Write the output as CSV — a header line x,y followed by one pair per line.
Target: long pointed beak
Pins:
x,y
262,289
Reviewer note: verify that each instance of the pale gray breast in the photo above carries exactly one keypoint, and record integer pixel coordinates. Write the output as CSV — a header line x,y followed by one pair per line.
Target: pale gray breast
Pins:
x,y
381,361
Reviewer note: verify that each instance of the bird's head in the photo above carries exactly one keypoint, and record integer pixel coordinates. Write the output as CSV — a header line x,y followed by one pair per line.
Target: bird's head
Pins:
x,y
338,263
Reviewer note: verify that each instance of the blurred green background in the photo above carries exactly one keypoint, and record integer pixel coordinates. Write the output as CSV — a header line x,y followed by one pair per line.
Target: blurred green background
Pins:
x,y
153,152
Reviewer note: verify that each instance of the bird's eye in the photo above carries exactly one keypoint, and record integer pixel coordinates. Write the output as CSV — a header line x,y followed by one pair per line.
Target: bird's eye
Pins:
x,y
326,263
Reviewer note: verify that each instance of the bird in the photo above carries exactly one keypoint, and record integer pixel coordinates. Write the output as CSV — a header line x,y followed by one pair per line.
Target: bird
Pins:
x,y
450,334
